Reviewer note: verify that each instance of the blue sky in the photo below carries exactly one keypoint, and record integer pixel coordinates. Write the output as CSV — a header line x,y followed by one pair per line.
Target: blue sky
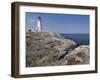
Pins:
x,y
61,23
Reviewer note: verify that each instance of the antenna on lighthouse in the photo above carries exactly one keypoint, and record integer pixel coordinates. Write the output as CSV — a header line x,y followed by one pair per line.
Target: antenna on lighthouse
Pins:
x,y
39,24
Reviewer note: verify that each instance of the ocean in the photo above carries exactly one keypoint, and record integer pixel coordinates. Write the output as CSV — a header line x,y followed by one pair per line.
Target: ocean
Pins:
x,y
80,38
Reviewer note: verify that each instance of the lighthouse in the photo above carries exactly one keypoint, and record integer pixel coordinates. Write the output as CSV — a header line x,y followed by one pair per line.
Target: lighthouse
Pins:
x,y
39,24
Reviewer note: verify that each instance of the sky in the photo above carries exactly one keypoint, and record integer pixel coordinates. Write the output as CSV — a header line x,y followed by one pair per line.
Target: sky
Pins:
x,y
60,23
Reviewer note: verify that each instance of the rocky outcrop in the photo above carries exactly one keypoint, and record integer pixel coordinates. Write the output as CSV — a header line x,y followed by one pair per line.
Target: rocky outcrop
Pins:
x,y
47,49
79,55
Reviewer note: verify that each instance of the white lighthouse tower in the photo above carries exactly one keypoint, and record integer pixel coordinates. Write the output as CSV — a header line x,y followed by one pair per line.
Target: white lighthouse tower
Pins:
x,y
39,24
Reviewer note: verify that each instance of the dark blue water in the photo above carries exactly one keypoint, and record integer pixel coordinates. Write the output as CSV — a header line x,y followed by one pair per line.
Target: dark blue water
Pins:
x,y
80,38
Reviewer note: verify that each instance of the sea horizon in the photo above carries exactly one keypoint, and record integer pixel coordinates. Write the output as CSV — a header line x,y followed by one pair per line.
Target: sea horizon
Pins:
x,y
81,38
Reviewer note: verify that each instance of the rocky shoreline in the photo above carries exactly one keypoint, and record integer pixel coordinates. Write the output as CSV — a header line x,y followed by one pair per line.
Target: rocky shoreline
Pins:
x,y
52,49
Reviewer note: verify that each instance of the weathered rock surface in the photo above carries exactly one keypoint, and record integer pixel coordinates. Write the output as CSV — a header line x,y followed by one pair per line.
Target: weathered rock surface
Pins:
x,y
79,55
47,49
